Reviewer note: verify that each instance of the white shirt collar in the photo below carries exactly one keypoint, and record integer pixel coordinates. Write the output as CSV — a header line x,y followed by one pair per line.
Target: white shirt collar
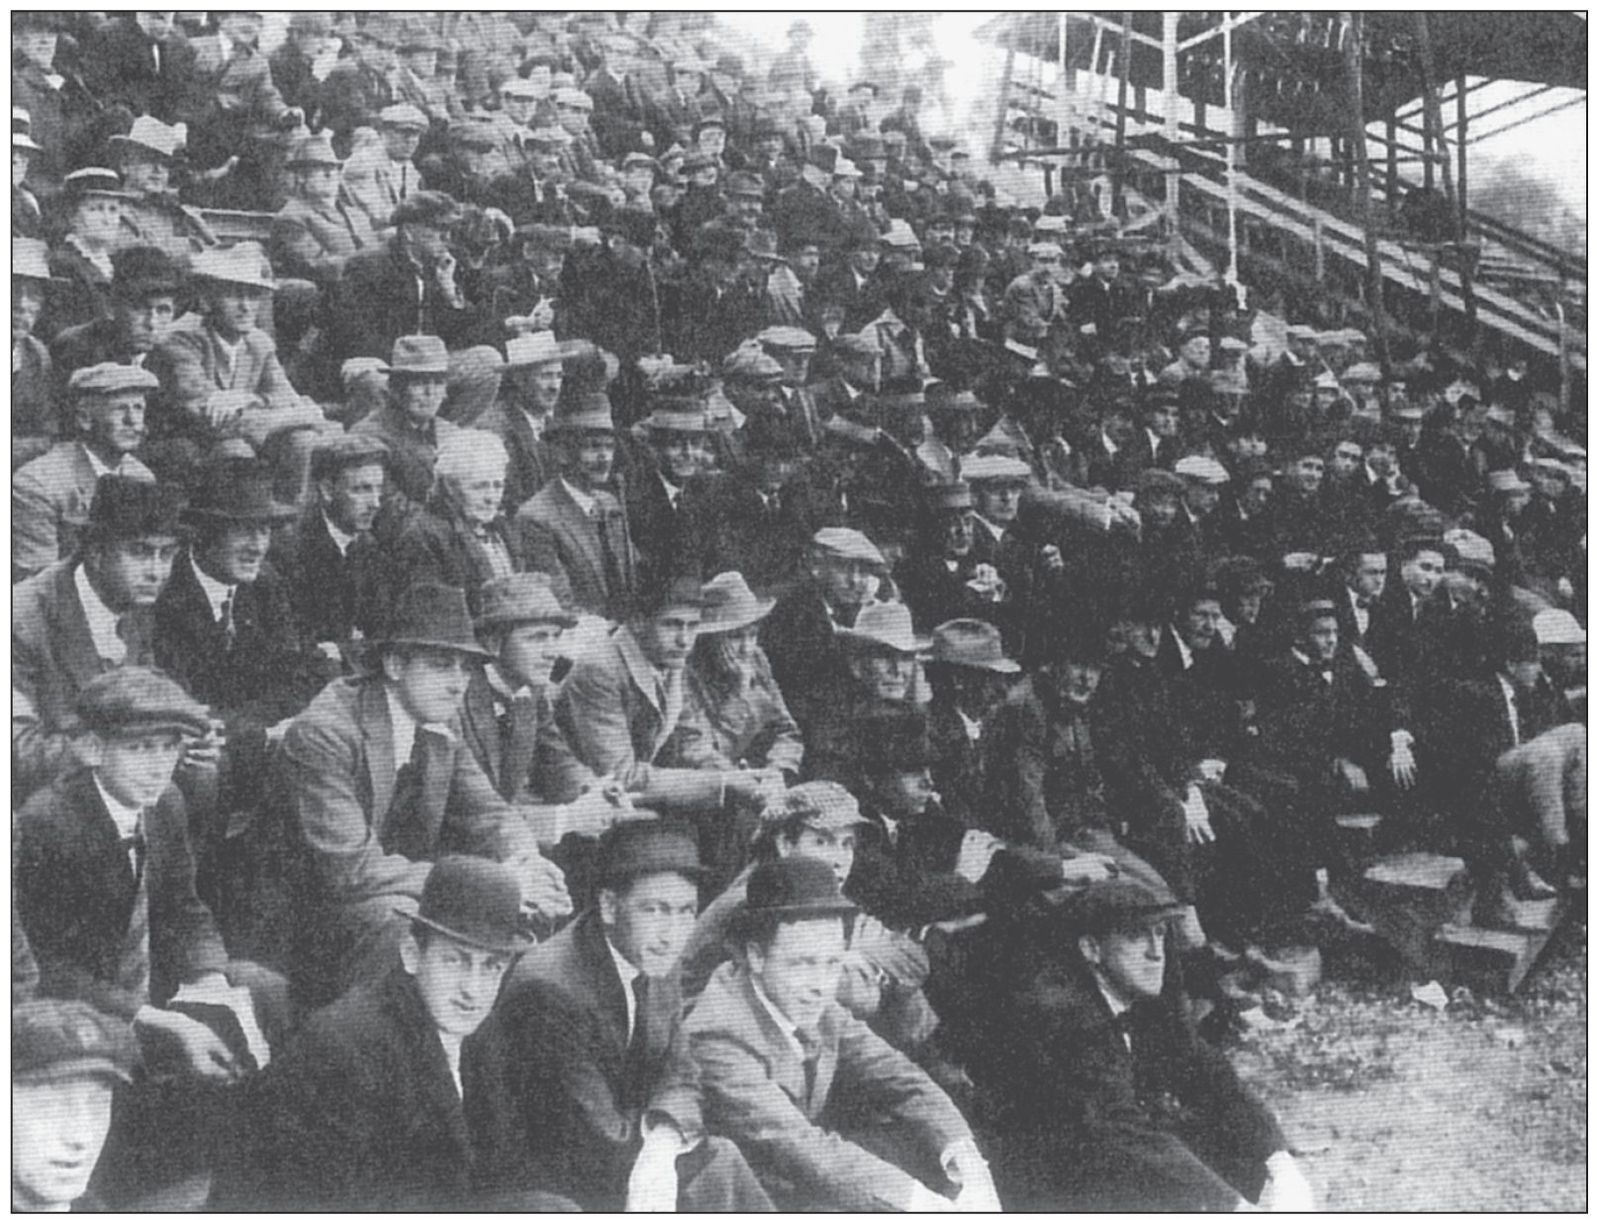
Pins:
x,y
972,725
101,618
340,539
405,727
998,530
536,422
98,465
628,973
673,493
1109,445
1181,646
586,500
215,591
788,1028
125,816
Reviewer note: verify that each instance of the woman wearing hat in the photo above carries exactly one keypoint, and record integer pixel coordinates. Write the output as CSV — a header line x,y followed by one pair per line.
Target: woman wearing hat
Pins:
x,y
92,199
316,232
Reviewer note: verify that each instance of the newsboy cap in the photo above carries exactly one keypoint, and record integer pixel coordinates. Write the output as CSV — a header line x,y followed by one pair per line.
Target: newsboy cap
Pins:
x,y
109,378
125,507
1120,904
642,848
65,1039
133,700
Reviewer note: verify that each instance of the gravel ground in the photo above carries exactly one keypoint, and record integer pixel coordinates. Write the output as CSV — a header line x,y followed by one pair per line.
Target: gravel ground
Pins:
x,y
1396,1105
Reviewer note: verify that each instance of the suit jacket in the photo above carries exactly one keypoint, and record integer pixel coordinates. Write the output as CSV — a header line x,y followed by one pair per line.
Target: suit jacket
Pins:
x,y
800,640
52,659
81,347
559,537
438,546
796,1139
526,756
1306,723
84,295
315,243
35,397
411,454
337,772
242,85
360,1113
379,298
189,364
1088,1123
569,1091
352,96
911,882
532,465
734,531
50,499
861,300
661,531
752,727
76,892
332,595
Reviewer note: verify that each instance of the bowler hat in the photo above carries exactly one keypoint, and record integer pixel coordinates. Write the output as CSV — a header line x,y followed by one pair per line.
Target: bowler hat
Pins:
x,y
235,489
1119,904
433,616
419,356
719,241
131,699
143,271
124,507
948,497
677,414
475,901
730,605
345,450
790,888
588,411
522,597
55,1040
971,643
884,625
641,848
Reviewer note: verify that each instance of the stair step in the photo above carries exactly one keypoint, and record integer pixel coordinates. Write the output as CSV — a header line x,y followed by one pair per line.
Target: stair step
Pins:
x,y
1494,958
1418,870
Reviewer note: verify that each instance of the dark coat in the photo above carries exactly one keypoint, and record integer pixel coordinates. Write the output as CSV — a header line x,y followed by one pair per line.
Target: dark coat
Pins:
x,y
615,306
83,295
76,893
734,531
910,883
352,96
439,547
148,77
332,595
35,402
563,1113
800,640
379,298
100,341
558,536
525,755
532,464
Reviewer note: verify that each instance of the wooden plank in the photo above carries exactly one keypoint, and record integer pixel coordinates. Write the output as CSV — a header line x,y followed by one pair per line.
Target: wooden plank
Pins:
x,y
1491,958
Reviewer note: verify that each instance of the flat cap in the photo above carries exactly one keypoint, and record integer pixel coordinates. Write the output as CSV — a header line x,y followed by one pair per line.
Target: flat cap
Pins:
x,y
402,114
820,803
1203,469
110,378
844,543
1120,904
789,338
994,467
432,208
1558,627
346,450
1154,482
522,597
131,699
65,1039
750,364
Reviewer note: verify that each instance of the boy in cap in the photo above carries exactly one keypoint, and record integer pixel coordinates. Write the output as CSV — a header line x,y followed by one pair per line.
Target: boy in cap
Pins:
x,y
368,1108
1106,1096
50,496
828,1114
597,1098
67,1059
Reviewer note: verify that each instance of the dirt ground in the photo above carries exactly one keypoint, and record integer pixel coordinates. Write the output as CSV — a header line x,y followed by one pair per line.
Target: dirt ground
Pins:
x,y
1397,1106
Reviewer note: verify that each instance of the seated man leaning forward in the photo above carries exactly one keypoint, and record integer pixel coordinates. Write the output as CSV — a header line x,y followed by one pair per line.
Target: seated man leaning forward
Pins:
x,y
595,1096
830,1117
373,822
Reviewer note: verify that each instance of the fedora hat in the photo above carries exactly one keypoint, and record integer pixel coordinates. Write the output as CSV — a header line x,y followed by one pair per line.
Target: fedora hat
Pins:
x,y
640,848
539,347
522,597
730,605
236,489
244,264
587,412
677,414
313,149
474,901
124,507
884,625
433,616
22,129
973,644
419,356
790,888
149,133
143,271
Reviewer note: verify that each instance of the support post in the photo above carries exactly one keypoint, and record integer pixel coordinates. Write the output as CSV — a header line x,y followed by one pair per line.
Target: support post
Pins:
x,y
1230,161
1353,56
1391,170
1172,122
1118,179
1430,90
1463,163
1001,123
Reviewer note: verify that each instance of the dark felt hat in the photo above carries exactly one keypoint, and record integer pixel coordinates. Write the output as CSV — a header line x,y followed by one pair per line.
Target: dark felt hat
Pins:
x,y
141,271
236,489
521,597
1119,904
132,699
791,888
344,450
54,1040
474,901
433,616
133,508
641,848
432,208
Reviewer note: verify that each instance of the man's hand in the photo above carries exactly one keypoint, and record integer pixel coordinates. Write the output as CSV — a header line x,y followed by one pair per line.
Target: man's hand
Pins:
x,y
543,886
274,734
967,1169
1352,775
1402,763
757,787
206,751
1086,868
1286,1189
226,407
205,1054
652,1185
976,855
1196,811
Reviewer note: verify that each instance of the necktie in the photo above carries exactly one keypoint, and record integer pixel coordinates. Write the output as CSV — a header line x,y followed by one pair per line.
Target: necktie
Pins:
x,y
613,582
1123,1024
412,826
640,998
229,628
812,1057
133,845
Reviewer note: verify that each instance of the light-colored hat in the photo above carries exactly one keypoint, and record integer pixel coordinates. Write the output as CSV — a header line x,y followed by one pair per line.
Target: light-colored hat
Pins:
x,y
419,355
884,625
520,86
789,338
314,149
1203,469
1472,550
1299,331
994,467
846,169
402,114
1506,480
244,264
844,543
730,605
93,180
22,129
900,236
751,364
1558,627
150,133
110,378
539,347
1052,224
972,643
30,257
573,97
1363,373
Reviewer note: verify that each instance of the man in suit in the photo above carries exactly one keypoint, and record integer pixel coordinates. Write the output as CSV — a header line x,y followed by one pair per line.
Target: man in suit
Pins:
x,y
533,374
357,89
328,560
408,424
50,496
1105,1098
1157,443
143,61
395,178
676,452
85,615
316,233
598,1098
371,826
575,525
145,284
827,1113
367,1108
858,288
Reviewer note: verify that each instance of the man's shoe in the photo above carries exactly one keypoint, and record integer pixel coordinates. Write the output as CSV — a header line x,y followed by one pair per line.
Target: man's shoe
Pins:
x,y
1527,884
1326,912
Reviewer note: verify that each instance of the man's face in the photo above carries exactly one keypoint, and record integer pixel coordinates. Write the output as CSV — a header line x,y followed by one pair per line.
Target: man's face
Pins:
x,y
1195,352
1200,625
132,571
800,968
1381,458
458,983
681,454
998,502
1564,664
400,143
1307,473
1132,961
593,456
27,303
137,768
940,233
157,25
538,386
712,140
375,55
479,493
958,533
795,364
1549,484
528,652
573,118
864,259
430,682
885,674
805,262
833,848
319,183
845,186
98,220
747,208
146,175
1164,421
1257,496
242,29
848,583
1369,577
1049,264
520,109
1202,497
352,497
418,398
1107,267
1320,639
36,46
53,1152
1514,502
113,422
146,321
1158,510
649,922
1422,573
237,551
236,310
1345,459
667,638
1078,681
907,793
638,180
21,158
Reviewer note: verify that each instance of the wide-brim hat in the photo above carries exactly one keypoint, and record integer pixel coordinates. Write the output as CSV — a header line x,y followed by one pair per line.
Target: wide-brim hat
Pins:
x,y
433,616
589,411
642,848
730,605
973,644
245,264
522,597
314,149
419,356
885,625
154,136
790,888
474,901
539,347
30,258
93,180
236,489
